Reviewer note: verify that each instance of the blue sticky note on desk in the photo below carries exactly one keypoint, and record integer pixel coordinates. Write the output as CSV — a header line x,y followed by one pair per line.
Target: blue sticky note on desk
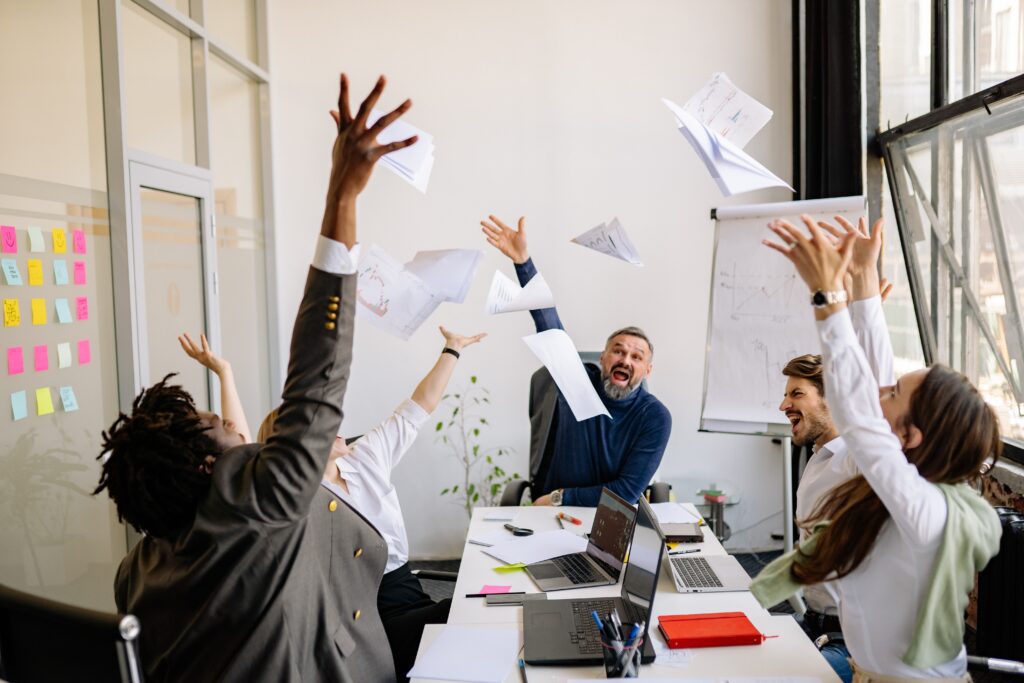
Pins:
x,y
19,405
11,272
67,397
63,310
60,272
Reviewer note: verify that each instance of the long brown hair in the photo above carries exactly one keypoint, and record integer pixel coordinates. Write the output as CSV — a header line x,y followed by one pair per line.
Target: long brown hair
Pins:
x,y
960,432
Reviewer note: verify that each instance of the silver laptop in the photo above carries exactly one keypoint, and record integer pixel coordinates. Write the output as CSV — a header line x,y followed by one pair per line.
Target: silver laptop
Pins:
x,y
601,564
708,574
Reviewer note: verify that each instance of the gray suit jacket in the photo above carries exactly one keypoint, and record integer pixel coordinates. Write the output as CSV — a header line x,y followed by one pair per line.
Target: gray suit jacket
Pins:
x,y
242,595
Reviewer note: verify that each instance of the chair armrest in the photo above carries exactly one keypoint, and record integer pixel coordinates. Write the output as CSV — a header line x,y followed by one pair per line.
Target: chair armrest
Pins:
x,y
512,496
659,492
435,575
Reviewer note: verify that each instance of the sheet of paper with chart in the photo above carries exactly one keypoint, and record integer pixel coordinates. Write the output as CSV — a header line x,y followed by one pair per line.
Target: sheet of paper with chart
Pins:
x,y
610,239
728,111
760,315
506,296
390,297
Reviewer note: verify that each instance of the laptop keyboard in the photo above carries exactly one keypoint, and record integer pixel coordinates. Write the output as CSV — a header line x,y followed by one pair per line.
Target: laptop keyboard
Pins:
x,y
587,637
576,570
695,572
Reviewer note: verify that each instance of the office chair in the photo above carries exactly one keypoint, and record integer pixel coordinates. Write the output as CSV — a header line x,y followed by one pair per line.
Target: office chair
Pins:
x,y
44,640
542,410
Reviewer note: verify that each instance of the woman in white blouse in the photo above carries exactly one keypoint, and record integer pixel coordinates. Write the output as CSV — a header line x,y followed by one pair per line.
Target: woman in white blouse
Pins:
x,y
904,540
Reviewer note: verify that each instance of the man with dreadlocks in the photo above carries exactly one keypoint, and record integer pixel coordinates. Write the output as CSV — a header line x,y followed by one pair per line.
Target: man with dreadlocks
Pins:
x,y
227,582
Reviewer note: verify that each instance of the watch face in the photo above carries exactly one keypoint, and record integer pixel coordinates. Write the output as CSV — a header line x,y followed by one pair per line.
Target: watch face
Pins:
x,y
819,298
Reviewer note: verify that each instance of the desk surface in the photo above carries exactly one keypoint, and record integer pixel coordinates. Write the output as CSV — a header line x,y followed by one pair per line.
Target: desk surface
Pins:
x,y
790,654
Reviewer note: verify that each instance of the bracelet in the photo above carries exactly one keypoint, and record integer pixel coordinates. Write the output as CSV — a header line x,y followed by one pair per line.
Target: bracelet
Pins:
x,y
451,351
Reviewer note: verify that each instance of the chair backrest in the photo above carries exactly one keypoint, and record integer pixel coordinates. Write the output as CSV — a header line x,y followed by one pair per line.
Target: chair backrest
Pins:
x,y
44,640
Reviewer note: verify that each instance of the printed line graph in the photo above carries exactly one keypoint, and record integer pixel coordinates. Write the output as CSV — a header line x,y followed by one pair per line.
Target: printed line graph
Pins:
x,y
759,295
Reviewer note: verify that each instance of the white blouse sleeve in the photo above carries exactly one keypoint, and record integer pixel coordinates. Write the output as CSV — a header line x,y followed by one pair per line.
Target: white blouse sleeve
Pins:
x,y
873,337
388,442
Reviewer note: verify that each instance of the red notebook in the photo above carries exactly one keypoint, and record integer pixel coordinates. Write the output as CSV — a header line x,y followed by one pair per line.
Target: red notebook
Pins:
x,y
709,630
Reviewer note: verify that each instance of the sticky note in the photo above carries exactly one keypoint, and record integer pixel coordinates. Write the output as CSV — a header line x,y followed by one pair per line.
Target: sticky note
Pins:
x,y
44,401
64,355
12,313
67,397
35,240
490,590
519,566
60,241
60,272
42,358
35,272
63,311
84,352
38,311
78,241
79,272
8,240
19,405
11,273
82,307
15,361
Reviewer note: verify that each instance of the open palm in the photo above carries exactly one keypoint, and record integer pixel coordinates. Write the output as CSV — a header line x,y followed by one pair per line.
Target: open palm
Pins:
x,y
509,241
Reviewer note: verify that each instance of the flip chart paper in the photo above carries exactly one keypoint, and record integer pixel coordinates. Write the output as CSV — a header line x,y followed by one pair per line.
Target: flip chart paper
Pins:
x,y
19,405
44,401
11,273
38,311
84,352
64,355
35,272
8,240
35,240
15,360
78,241
60,241
63,311
12,313
42,357
538,547
556,351
449,272
610,239
82,308
728,111
79,272
469,653
506,296
60,272
67,398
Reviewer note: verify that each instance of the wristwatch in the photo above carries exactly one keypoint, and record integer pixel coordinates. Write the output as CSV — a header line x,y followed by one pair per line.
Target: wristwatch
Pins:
x,y
556,497
821,298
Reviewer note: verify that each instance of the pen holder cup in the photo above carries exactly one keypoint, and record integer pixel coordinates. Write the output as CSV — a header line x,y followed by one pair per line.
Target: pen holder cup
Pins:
x,y
621,660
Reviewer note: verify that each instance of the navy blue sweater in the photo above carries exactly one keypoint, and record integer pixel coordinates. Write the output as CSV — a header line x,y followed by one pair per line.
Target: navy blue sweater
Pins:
x,y
622,453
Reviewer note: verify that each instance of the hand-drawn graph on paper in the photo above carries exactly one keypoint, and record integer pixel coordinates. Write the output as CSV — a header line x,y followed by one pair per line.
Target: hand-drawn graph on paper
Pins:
x,y
760,294
372,290
390,297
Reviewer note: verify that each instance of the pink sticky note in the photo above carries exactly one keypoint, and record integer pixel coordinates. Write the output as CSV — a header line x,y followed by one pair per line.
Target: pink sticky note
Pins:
x,y
42,358
84,352
79,272
78,241
489,590
15,361
8,240
82,307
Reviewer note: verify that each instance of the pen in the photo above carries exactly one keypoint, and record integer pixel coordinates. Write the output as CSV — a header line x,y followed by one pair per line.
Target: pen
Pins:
x,y
559,520
522,670
684,552
569,518
484,595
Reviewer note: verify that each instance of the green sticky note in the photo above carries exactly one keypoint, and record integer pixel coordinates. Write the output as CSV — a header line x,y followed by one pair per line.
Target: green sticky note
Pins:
x,y
510,568
19,405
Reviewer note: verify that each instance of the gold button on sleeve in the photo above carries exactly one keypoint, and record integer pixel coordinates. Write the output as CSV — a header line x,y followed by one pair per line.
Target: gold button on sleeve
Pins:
x,y
332,316
329,326
332,506
334,299
358,613
358,552
332,307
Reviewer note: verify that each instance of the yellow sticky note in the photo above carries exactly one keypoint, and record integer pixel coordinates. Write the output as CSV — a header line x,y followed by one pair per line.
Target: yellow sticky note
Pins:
x,y
38,311
12,314
35,272
60,241
44,401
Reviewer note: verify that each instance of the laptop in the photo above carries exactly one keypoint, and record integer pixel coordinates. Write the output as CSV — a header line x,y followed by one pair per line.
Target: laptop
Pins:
x,y
602,562
560,632
708,574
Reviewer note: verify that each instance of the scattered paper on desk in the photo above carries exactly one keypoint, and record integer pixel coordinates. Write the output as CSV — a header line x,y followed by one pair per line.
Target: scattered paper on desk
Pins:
x,y
19,405
488,589
44,401
35,240
506,296
673,513
469,653
728,111
413,163
448,272
504,514
679,658
733,170
15,360
610,239
68,400
60,272
12,313
64,355
556,351
489,538
390,297
8,240
63,310
35,272
60,241
538,547
11,273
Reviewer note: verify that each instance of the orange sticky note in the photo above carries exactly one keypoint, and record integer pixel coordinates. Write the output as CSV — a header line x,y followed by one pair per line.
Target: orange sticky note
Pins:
x,y
12,313
35,272
38,311
60,241
44,401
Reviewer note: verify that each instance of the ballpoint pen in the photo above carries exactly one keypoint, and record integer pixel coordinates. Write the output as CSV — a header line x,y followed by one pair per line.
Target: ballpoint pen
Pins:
x,y
687,551
558,519
522,670
569,518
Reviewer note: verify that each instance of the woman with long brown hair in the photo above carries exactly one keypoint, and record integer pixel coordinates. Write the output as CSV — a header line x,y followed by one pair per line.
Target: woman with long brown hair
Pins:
x,y
903,541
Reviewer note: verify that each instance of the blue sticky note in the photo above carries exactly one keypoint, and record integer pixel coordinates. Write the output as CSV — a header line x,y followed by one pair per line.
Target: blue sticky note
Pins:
x,y
19,405
11,272
60,272
67,397
63,310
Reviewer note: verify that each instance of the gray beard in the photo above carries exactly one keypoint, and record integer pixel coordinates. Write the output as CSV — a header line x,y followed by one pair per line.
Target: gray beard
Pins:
x,y
617,393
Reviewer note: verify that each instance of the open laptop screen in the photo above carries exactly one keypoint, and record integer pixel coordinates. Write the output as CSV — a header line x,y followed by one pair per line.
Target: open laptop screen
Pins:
x,y
612,531
641,578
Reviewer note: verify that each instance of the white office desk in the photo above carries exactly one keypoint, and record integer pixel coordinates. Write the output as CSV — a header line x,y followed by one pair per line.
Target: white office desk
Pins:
x,y
790,654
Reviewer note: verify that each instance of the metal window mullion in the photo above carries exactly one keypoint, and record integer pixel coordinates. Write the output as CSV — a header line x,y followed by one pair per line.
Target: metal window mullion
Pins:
x,y
940,54
969,249
248,68
172,17
968,49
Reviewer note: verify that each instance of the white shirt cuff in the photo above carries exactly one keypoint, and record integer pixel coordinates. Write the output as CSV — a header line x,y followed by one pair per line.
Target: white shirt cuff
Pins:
x,y
334,257
865,311
836,330
412,412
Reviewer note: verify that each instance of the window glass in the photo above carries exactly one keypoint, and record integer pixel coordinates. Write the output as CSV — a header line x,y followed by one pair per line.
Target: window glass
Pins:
x,y
904,60
233,23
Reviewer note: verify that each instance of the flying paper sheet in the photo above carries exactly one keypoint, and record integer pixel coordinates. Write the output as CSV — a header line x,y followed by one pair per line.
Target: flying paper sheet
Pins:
x,y
556,351
448,272
469,653
538,547
414,163
11,273
733,170
391,298
728,111
507,296
35,239
610,239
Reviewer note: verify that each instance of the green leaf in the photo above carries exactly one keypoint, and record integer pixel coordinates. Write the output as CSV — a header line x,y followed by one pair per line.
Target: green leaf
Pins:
x,y
490,460
483,421
476,431
455,412
476,497
455,488
472,379
457,396
494,489
486,400
445,397
471,489
444,439
444,492
476,450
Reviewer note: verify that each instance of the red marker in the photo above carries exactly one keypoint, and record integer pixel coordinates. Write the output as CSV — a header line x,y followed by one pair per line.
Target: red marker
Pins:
x,y
569,518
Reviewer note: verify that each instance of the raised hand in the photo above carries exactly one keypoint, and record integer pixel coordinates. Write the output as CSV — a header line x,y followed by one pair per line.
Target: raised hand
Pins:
x,y
820,263
202,353
508,241
457,341
867,247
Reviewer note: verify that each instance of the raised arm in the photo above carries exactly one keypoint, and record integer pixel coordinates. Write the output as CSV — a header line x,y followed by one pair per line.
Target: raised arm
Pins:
x,y
230,404
512,243
431,388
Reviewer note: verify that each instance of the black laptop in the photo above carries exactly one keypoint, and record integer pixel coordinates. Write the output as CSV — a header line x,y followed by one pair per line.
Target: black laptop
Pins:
x,y
560,632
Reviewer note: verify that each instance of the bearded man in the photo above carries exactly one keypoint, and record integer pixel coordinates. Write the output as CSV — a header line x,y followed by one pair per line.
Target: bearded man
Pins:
x,y
621,453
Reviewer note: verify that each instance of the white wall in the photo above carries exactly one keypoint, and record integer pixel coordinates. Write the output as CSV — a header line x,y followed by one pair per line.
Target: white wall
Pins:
x,y
549,110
